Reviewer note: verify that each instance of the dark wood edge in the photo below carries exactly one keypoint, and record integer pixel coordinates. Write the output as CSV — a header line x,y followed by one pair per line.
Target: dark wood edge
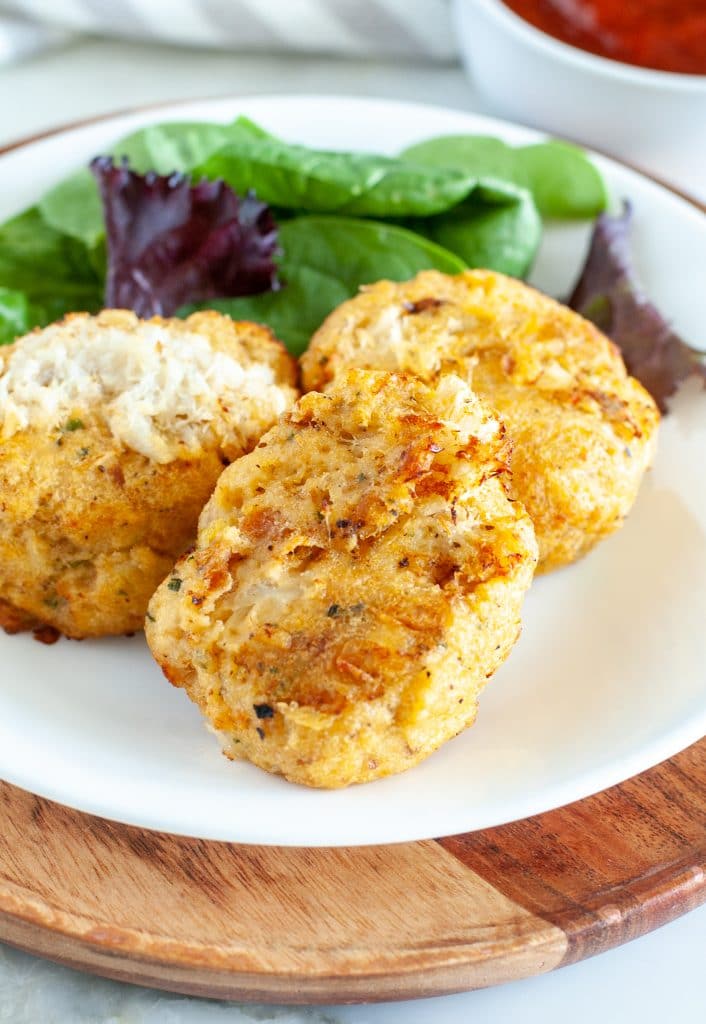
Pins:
x,y
609,868
625,912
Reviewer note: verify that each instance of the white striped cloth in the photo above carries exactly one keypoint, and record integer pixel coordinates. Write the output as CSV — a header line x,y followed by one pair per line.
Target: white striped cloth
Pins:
x,y
403,28
21,37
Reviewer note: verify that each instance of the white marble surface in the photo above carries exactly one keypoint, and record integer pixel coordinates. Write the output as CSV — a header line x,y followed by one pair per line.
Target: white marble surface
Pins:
x,y
654,979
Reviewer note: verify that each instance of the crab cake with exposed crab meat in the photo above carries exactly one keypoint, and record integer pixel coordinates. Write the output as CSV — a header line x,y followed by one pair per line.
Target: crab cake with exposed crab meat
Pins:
x,y
356,581
584,431
113,432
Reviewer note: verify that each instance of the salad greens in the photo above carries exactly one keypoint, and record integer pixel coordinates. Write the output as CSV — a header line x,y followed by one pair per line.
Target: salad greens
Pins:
x,y
74,207
16,315
562,180
324,261
170,242
609,293
447,203
54,273
351,184
489,231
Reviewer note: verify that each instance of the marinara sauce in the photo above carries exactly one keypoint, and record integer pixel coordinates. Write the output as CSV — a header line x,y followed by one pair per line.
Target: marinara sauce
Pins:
x,y
668,35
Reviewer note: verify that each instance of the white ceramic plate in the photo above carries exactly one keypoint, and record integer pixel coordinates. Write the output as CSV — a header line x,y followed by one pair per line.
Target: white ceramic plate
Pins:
x,y
608,679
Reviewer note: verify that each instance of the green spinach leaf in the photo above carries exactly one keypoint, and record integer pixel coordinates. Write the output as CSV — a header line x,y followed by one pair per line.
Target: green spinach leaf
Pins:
x,y
476,154
324,261
181,145
53,272
563,181
488,231
293,313
74,207
16,317
348,184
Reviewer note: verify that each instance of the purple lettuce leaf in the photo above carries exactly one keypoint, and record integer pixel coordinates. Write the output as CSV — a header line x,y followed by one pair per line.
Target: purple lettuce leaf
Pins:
x,y
171,243
609,294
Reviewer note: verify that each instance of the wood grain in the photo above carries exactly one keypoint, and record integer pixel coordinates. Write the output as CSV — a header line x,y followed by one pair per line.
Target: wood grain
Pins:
x,y
257,922
368,923
609,868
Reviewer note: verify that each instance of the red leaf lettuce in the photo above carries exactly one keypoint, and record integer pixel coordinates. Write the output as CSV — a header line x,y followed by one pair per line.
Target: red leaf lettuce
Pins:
x,y
609,294
171,243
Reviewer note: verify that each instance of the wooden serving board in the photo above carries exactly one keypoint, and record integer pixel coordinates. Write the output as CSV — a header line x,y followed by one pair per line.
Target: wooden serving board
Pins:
x,y
357,924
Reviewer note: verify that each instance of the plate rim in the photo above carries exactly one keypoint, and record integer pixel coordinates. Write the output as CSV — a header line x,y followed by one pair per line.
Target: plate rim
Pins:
x,y
600,778
23,141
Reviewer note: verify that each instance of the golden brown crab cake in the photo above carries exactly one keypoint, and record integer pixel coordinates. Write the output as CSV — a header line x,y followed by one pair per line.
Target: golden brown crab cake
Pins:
x,y
356,581
584,431
113,432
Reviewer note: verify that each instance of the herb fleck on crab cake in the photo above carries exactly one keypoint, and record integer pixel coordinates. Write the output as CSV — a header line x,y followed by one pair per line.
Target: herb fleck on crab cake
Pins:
x,y
356,581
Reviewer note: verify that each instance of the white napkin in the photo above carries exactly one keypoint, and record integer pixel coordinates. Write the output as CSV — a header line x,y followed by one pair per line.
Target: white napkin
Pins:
x,y
403,28
21,37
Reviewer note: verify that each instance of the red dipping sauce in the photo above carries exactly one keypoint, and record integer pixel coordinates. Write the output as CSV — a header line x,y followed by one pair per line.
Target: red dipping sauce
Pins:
x,y
667,35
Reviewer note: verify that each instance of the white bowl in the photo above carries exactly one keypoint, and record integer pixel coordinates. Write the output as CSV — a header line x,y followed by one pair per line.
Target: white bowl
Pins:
x,y
654,118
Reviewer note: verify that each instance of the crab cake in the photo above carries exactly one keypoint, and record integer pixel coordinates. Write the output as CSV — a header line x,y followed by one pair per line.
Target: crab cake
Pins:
x,y
113,432
356,581
584,431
